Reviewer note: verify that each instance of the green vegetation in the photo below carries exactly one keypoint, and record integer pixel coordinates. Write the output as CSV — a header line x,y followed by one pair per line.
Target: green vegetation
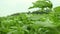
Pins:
x,y
43,21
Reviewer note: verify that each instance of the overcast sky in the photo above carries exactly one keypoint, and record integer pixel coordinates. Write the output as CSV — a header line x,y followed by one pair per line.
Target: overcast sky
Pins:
x,y
8,7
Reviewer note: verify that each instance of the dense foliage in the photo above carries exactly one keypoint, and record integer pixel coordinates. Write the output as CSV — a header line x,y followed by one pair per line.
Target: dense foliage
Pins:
x,y
38,22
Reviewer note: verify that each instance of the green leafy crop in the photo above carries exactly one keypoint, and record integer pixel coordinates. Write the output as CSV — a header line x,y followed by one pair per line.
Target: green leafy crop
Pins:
x,y
38,22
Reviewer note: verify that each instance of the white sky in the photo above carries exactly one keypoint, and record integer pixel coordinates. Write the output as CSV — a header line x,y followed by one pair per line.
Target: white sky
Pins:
x,y
8,7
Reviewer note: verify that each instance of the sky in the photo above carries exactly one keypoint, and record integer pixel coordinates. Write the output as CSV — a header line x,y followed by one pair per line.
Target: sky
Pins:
x,y
8,7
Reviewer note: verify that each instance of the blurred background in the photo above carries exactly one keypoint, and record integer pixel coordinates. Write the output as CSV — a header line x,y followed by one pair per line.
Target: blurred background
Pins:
x,y
8,7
